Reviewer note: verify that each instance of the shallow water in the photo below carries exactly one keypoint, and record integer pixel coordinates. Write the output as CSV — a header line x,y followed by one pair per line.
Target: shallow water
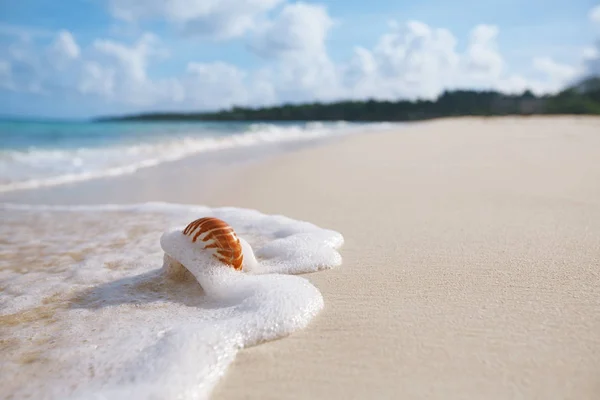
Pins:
x,y
88,306
35,154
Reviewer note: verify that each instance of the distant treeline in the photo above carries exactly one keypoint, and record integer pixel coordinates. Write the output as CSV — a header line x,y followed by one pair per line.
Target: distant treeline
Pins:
x,y
582,98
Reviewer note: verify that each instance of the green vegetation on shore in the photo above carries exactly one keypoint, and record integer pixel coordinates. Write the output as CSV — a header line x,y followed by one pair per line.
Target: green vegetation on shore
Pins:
x,y
582,98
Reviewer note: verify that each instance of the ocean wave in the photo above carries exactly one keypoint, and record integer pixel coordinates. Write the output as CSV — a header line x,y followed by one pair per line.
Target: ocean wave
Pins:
x,y
39,167
109,318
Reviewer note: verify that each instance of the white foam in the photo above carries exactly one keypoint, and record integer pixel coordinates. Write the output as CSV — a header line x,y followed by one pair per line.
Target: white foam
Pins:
x,y
137,334
34,168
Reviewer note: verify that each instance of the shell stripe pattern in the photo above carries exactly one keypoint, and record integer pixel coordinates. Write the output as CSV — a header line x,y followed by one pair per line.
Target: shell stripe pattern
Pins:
x,y
217,234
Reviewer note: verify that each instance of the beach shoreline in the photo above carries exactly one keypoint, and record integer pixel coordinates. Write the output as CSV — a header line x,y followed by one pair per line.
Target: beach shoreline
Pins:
x,y
469,263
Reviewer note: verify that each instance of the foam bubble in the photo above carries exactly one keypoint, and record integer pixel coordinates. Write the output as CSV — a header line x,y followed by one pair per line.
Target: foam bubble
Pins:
x,y
127,320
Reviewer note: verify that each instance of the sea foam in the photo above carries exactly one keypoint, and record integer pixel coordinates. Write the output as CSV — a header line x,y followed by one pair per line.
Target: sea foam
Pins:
x,y
103,310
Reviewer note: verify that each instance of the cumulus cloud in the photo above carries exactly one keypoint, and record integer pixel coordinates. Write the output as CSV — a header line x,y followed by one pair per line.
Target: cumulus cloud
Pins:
x,y
120,71
591,55
40,70
63,50
409,60
65,45
132,60
96,79
412,59
218,85
595,14
295,42
483,58
590,52
592,60
415,60
215,85
220,19
299,28
561,74
6,81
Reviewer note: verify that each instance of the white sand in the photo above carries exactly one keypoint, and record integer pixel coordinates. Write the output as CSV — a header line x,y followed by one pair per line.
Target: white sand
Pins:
x,y
471,264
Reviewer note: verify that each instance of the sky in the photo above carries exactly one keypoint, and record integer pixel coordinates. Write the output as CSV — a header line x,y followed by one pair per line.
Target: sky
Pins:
x,y
84,58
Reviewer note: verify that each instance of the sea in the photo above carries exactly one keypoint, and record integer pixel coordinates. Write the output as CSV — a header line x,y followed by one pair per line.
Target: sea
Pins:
x,y
112,301
37,154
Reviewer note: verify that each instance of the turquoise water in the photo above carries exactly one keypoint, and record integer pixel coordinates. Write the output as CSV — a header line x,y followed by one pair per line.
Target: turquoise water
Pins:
x,y
23,135
46,153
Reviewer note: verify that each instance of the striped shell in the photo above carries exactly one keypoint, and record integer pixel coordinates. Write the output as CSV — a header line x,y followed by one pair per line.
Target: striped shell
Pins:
x,y
217,234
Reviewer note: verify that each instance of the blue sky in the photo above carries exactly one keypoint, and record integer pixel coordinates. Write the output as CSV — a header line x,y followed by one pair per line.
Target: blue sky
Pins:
x,y
93,57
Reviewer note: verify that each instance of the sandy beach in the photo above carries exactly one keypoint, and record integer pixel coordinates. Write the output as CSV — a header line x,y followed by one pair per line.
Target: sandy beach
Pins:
x,y
470,263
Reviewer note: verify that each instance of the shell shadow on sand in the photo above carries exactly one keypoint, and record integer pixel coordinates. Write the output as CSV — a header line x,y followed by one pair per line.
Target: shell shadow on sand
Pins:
x,y
171,283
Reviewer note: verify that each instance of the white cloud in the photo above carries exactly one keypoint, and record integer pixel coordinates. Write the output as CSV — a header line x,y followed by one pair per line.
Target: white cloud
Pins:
x,y
221,85
41,69
295,40
65,45
120,71
561,74
592,60
215,85
96,79
110,69
414,60
411,60
595,14
215,18
483,58
591,54
26,65
63,50
299,28
132,60
6,81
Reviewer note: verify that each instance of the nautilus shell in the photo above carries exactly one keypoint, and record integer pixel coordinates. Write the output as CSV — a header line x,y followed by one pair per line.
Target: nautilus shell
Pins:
x,y
214,233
